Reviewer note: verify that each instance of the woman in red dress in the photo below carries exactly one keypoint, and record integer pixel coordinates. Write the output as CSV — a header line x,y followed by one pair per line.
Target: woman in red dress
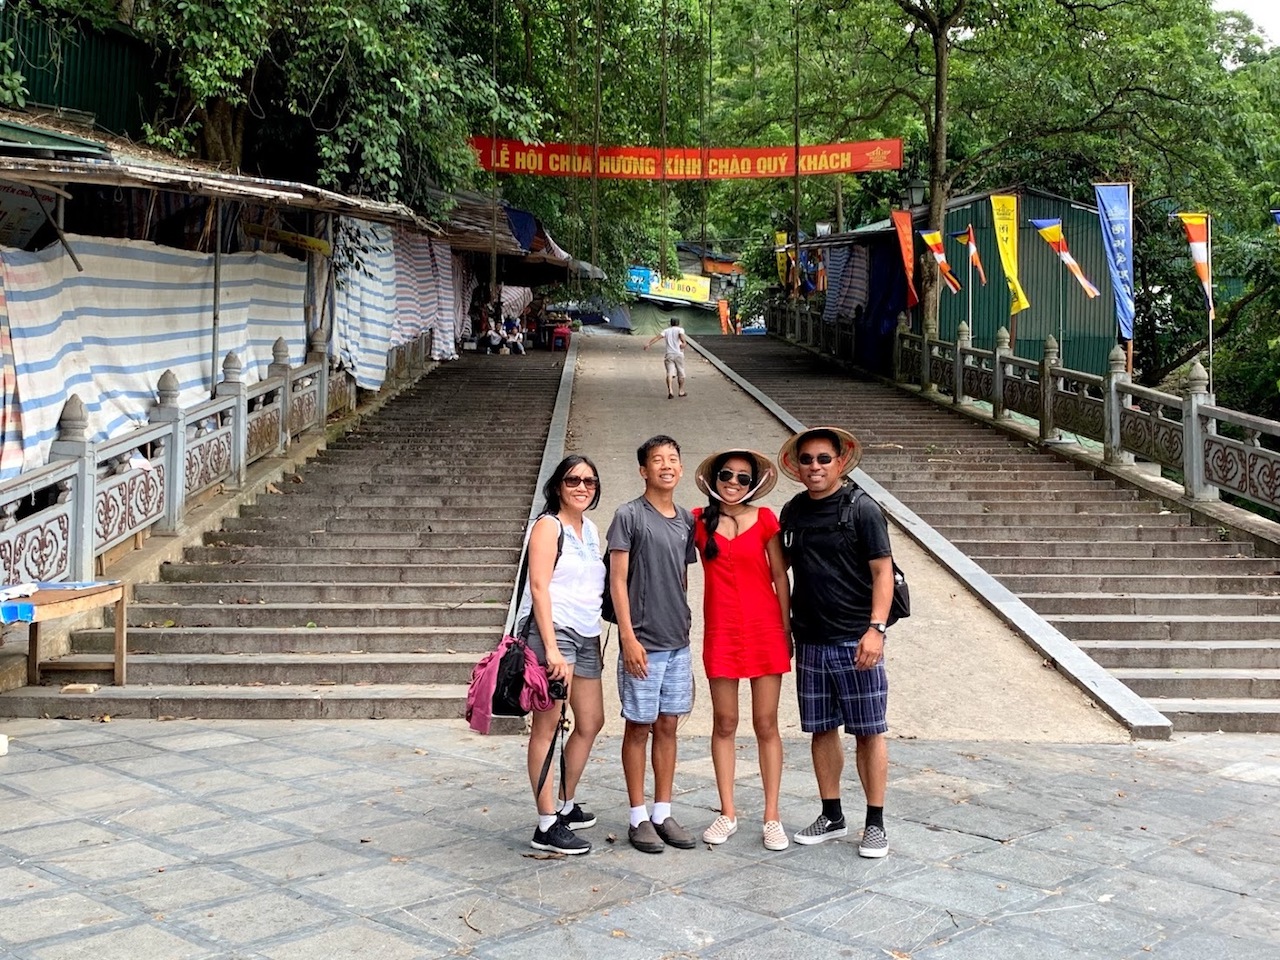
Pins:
x,y
745,610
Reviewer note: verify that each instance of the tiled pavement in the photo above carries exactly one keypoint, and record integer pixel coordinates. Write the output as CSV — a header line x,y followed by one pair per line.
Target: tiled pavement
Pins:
x,y
403,839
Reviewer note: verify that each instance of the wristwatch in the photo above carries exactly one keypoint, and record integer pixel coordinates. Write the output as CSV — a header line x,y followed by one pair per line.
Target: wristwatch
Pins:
x,y
882,627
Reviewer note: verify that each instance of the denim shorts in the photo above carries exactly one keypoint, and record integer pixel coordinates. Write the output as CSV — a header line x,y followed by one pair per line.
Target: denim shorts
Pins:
x,y
668,689
583,653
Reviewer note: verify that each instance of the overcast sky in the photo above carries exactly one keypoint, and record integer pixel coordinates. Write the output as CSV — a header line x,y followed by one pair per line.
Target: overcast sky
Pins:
x,y
1264,13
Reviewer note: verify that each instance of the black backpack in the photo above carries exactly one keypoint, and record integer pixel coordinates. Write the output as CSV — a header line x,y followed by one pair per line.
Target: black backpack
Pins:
x,y
900,607
607,612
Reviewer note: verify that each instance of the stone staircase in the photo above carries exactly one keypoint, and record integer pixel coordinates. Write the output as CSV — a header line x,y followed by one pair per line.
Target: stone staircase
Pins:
x,y
365,585
1185,616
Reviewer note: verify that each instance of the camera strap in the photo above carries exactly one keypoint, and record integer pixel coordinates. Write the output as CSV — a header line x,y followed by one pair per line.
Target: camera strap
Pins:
x,y
551,752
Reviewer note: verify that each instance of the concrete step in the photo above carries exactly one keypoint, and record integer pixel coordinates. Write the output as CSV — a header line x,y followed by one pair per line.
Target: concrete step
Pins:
x,y
410,537
285,591
1135,580
1025,509
276,669
980,548
336,573
439,523
328,502
352,555
1033,518
1263,570
300,702
320,639
276,615
888,474
1188,654
1211,683
1025,532
301,510
1018,499
1179,627
925,486
1155,604
1190,715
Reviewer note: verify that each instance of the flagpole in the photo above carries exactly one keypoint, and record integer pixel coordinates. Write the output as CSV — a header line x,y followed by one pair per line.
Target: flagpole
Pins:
x,y
1062,339
1208,256
1128,347
969,277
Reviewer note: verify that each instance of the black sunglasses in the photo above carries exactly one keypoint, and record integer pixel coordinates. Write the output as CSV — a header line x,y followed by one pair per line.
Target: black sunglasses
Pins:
x,y
589,482
744,479
822,458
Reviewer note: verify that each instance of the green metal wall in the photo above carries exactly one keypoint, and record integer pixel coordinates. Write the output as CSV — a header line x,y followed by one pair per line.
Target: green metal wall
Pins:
x,y
1088,326
106,73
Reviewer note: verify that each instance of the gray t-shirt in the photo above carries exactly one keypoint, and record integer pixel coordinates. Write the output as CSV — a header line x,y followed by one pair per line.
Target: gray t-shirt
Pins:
x,y
659,548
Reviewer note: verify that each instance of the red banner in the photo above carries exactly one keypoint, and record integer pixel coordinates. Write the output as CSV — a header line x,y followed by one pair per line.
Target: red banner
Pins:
x,y
684,163
902,220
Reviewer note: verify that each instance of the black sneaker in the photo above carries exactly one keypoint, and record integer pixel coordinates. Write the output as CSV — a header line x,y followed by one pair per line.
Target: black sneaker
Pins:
x,y
822,829
559,839
578,818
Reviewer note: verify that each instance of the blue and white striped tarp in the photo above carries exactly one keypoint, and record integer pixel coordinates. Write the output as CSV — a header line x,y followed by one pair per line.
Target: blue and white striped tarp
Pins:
x,y
848,281
137,310
424,291
364,314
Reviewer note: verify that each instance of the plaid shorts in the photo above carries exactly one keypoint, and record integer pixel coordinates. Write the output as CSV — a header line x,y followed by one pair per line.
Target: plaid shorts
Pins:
x,y
832,691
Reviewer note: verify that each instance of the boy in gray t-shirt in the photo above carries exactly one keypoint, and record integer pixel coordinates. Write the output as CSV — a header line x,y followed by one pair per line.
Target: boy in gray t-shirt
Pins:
x,y
650,548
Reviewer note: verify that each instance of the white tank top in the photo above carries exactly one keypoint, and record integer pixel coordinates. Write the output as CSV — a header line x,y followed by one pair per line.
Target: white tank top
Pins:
x,y
577,583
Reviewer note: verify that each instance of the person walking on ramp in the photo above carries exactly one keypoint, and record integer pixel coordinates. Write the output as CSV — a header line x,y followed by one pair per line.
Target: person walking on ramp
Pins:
x,y
837,543
650,547
673,357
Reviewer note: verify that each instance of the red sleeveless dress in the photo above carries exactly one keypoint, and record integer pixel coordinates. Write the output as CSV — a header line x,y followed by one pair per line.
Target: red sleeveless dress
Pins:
x,y
743,636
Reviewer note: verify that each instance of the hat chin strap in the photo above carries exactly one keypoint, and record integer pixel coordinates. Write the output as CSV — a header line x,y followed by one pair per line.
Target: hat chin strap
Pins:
x,y
711,490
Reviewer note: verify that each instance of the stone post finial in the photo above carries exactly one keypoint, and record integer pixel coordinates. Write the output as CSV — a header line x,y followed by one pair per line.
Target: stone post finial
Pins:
x,y
168,389
280,351
316,342
1002,339
962,330
1116,359
904,321
232,369
1051,351
1197,379
73,422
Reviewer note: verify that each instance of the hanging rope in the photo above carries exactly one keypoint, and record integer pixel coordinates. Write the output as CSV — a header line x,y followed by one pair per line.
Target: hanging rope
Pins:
x,y
493,139
595,140
662,150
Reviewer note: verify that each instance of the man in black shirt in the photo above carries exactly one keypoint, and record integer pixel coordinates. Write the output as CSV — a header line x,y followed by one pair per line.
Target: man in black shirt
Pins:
x,y
837,544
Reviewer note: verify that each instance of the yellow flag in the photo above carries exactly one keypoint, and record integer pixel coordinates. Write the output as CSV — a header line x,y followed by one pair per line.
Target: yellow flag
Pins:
x,y
780,254
1004,212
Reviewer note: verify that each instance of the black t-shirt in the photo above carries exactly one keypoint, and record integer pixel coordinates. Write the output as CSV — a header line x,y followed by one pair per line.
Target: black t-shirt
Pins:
x,y
831,590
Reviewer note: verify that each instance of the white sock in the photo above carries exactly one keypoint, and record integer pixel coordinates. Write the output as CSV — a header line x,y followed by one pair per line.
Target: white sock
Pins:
x,y
661,812
639,815
546,821
566,805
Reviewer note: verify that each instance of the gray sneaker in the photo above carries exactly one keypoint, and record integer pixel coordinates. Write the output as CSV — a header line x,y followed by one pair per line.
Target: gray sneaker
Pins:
x,y
822,829
645,838
875,843
674,835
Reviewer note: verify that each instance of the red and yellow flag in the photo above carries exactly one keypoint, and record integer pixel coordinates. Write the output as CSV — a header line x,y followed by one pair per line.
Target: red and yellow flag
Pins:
x,y
968,237
1051,230
933,239
1197,228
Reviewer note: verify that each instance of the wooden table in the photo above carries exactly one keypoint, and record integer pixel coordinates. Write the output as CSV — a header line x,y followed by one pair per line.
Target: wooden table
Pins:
x,y
54,600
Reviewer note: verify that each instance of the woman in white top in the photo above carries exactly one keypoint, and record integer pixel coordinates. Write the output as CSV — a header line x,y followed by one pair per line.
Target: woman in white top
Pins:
x,y
564,599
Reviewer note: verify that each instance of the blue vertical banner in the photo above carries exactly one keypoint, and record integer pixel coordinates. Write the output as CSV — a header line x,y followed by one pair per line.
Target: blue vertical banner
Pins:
x,y
1115,210
1275,215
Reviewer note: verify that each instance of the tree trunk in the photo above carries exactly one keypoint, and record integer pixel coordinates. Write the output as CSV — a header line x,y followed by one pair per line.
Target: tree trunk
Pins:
x,y
939,183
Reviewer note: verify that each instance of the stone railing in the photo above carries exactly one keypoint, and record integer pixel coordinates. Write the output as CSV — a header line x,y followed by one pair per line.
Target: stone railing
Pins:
x,y
802,322
1214,448
56,521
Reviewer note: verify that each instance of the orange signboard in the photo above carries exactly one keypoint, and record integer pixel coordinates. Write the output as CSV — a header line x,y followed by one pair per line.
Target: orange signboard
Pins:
x,y
684,163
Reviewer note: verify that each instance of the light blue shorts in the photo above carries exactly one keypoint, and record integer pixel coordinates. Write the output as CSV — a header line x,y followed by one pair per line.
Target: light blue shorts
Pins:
x,y
668,689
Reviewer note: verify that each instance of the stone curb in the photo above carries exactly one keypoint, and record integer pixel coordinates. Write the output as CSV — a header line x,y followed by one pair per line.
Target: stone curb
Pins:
x,y
1130,710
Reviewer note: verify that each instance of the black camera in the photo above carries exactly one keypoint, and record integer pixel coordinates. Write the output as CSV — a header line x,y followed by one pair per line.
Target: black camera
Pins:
x,y
557,689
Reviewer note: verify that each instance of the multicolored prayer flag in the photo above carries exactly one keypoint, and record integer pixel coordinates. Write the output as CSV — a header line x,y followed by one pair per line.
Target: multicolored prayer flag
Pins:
x,y
968,237
1051,230
933,239
1197,227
